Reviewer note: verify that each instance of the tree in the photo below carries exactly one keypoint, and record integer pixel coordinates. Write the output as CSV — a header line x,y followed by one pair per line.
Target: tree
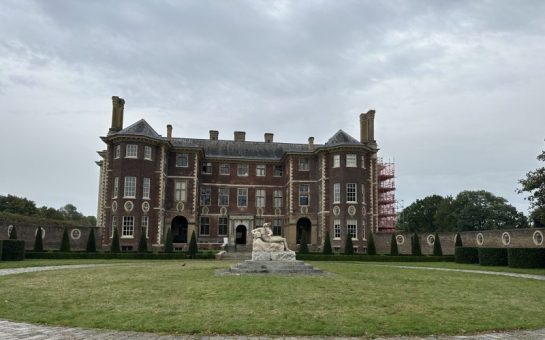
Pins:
x,y
71,212
534,185
416,250
303,246
169,247
458,240
13,233
327,244
17,205
193,248
115,248
47,212
143,243
349,246
394,251
65,243
437,250
371,248
91,242
38,241
419,216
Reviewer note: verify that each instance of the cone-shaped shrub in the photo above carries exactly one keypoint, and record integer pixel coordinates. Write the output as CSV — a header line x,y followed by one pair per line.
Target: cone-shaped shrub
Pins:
x,y
437,251
415,245
115,248
303,246
143,243
169,248
38,242
394,251
65,243
371,249
91,242
193,248
13,233
327,244
458,241
349,246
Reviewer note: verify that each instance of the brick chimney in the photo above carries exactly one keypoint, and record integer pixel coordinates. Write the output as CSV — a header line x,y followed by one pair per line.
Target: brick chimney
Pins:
x,y
269,137
118,105
240,136
367,126
169,132
214,135
311,143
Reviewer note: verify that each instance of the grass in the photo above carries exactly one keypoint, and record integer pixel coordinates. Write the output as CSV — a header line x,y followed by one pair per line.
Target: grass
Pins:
x,y
359,299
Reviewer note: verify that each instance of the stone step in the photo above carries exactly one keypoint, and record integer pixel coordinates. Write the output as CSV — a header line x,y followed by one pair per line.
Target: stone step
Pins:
x,y
235,256
274,267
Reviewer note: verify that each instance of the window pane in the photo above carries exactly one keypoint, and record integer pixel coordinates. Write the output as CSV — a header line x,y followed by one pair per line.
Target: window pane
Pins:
x,y
260,198
131,151
146,188
303,164
224,169
277,227
130,187
223,199
278,198
222,226
128,226
351,192
242,170
242,197
278,171
260,170
147,152
336,161
205,195
204,226
352,226
351,161
303,194
116,187
337,193
337,229
206,168
181,160
117,151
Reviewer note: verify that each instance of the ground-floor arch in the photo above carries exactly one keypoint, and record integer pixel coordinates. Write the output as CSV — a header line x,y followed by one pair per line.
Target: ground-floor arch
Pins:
x,y
178,228
240,234
304,227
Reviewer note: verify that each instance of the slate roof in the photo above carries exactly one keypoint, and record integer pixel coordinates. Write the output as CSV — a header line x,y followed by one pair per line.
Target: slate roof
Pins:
x,y
140,128
342,138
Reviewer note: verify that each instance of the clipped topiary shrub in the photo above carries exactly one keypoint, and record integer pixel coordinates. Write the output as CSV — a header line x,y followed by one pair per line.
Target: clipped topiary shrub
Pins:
x,y
492,256
143,243
115,248
466,255
349,246
303,246
437,251
327,245
193,248
526,257
371,249
169,247
65,242
38,241
416,250
13,233
91,242
13,250
458,240
394,250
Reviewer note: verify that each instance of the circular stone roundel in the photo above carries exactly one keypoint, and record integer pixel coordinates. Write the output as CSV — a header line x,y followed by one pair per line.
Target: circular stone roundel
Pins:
x,y
114,206
351,210
505,238
75,234
180,206
278,211
145,207
430,239
128,206
400,239
537,238
336,210
10,228
480,239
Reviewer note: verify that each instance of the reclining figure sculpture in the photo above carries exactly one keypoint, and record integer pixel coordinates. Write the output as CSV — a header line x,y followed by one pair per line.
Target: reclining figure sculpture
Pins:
x,y
268,247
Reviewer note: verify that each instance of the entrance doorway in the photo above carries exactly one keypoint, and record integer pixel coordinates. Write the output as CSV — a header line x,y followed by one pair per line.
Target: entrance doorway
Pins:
x,y
179,229
303,228
240,234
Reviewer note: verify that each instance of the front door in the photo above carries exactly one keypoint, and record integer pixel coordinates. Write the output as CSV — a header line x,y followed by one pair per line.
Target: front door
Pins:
x,y
240,234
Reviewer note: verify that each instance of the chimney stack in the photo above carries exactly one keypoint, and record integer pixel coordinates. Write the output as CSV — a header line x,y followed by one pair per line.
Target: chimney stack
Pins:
x,y
214,135
311,143
269,137
367,126
169,132
118,105
240,136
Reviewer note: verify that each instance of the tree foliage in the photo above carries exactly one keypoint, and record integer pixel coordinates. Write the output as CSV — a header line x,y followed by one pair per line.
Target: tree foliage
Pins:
x,y
17,205
437,250
303,246
65,242
420,215
327,244
394,250
534,185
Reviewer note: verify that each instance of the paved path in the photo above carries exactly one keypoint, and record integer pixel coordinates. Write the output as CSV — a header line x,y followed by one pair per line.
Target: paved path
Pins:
x,y
10,330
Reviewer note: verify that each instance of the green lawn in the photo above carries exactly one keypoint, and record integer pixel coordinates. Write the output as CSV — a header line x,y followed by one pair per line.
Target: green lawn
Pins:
x,y
358,299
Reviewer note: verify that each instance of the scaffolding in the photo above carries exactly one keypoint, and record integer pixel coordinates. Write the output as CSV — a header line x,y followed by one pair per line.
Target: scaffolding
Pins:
x,y
386,197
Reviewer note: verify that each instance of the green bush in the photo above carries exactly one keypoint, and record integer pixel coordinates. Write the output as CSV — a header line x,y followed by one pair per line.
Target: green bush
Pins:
x,y
374,258
526,257
458,240
348,246
327,245
91,242
371,249
65,242
193,248
303,246
492,256
115,248
437,250
416,250
38,241
169,247
466,255
119,256
394,251
143,243
13,250
13,233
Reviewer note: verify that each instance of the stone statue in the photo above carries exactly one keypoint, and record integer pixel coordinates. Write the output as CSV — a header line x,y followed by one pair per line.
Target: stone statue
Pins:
x,y
267,247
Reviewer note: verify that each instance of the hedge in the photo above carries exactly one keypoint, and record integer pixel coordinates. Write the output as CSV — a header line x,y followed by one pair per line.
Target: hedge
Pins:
x,y
13,250
493,256
374,258
466,255
526,257
119,256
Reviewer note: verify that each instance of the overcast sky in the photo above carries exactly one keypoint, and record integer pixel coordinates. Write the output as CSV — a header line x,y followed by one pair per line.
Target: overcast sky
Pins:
x,y
458,86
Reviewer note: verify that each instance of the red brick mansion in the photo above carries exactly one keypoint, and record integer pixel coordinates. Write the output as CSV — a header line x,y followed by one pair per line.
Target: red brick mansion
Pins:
x,y
222,189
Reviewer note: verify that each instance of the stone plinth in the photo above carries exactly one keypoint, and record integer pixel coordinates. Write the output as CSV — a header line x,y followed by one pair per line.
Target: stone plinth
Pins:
x,y
273,256
293,267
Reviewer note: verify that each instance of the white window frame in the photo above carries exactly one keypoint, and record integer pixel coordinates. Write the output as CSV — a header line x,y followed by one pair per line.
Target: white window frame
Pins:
x,y
352,229
363,162
260,170
336,229
117,151
242,192
278,197
223,166
337,161
224,195
351,193
147,152
202,225
351,160
129,187
182,160
131,151
242,170
206,168
337,193
206,192
220,225
127,229
114,225
260,196
302,194
116,187
278,171
145,224
146,188
180,191
304,164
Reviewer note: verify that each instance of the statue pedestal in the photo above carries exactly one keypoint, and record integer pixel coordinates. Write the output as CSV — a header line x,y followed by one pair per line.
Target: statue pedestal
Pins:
x,y
273,255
